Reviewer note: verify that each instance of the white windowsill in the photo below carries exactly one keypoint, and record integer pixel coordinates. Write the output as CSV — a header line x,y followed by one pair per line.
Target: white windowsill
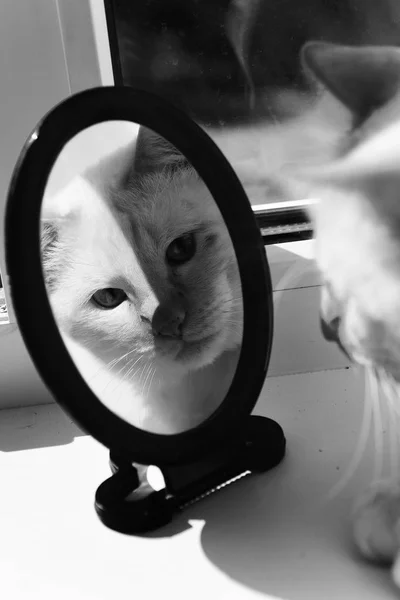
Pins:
x,y
273,534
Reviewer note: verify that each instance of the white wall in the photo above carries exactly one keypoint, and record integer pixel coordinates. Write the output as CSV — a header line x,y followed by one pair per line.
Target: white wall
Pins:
x,y
33,78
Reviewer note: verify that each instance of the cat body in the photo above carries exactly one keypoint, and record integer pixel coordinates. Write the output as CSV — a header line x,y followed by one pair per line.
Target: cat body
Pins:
x,y
357,245
344,150
356,220
144,285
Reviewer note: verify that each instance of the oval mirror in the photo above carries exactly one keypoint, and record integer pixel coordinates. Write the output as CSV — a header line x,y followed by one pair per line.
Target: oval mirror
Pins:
x,y
152,296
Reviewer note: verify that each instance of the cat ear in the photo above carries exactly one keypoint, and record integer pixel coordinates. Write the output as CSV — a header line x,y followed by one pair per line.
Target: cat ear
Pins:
x,y
154,153
362,78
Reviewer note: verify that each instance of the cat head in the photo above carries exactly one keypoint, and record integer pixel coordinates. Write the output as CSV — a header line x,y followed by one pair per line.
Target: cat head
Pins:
x,y
139,266
357,221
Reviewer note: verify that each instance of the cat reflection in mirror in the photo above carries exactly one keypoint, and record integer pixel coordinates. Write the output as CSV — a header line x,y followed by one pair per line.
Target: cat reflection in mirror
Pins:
x,y
144,285
357,231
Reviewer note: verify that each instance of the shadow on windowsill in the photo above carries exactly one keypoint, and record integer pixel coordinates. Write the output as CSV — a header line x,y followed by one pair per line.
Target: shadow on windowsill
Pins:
x,y
36,427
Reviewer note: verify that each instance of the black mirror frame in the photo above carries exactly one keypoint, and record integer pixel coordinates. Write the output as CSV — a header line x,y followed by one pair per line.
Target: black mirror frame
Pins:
x,y
35,318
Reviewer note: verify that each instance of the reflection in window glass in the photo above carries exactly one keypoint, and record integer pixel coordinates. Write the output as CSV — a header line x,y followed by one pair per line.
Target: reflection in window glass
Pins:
x,y
234,66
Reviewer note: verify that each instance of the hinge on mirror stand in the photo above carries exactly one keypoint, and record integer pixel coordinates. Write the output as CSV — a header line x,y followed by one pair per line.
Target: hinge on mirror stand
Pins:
x,y
127,503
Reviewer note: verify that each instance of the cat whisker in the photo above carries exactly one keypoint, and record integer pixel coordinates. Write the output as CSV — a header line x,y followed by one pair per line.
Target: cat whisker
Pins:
x,y
377,423
230,308
238,299
83,263
120,371
148,371
139,371
143,371
233,305
96,373
126,376
360,447
147,383
232,319
135,362
151,381
106,385
390,393
393,435
131,374
123,376
114,383
115,361
217,304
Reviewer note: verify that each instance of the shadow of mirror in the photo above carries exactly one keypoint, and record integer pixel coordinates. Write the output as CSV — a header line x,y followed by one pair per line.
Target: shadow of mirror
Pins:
x,y
141,276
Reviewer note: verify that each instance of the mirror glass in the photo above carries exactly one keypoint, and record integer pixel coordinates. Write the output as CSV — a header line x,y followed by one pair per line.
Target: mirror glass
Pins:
x,y
141,277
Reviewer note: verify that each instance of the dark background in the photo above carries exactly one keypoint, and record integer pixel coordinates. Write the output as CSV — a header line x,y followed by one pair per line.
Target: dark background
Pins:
x,y
220,60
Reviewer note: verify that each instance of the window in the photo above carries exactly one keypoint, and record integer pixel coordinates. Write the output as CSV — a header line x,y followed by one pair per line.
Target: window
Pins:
x,y
210,59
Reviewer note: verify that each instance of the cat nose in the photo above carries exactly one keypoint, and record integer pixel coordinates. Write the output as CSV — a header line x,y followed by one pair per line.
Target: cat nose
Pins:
x,y
329,314
168,321
330,319
330,329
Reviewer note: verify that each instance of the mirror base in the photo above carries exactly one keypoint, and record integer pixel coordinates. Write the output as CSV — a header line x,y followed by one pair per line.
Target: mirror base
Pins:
x,y
127,503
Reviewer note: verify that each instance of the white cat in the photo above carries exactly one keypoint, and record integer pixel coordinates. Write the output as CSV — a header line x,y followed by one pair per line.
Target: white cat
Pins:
x,y
357,229
143,283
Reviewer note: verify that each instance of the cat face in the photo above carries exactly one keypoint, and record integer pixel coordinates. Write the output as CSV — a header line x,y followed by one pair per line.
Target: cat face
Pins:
x,y
357,222
358,254
143,268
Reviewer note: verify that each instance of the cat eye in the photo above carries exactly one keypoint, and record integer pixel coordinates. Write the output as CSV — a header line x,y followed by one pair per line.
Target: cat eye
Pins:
x,y
109,297
181,250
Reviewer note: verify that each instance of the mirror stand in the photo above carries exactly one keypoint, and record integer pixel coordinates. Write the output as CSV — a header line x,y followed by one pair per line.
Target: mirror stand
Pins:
x,y
127,503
